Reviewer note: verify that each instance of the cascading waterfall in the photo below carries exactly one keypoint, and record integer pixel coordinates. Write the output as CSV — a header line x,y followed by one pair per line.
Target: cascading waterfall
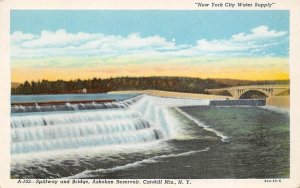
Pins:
x,y
144,137
141,119
73,107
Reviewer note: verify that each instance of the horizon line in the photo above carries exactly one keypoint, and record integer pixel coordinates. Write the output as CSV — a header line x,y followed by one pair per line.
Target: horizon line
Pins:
x,y
107,78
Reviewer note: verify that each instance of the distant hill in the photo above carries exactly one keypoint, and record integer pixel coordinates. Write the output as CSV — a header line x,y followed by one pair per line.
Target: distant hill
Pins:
x,y
97,85
15,84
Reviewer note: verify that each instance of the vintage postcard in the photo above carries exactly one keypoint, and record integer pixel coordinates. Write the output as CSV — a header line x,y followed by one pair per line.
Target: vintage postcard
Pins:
x,y
131,93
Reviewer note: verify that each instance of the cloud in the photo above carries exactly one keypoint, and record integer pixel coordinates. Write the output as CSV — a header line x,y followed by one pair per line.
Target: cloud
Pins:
x,y
19,36
258,33
61,43
60,38
221,46
259,41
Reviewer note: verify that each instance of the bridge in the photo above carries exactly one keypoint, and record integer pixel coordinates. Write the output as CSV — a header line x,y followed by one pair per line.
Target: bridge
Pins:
x,y
252,91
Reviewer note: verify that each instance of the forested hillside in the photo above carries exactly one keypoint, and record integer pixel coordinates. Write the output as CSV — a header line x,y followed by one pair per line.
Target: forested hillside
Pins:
x,y
97,85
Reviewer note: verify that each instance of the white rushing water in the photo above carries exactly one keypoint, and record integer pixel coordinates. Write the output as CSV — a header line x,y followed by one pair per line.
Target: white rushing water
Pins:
x,y
143,119
203,125
276,109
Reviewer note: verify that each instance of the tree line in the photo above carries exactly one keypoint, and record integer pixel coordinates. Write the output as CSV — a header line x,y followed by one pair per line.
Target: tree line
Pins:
x,y
98,85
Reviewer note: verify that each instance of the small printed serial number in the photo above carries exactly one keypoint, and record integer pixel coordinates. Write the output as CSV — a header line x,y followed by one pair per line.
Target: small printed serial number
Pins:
x,y
24,181
272,181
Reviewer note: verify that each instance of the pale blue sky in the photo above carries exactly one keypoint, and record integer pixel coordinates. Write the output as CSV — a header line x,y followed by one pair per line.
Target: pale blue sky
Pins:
x,y
185,26
198,43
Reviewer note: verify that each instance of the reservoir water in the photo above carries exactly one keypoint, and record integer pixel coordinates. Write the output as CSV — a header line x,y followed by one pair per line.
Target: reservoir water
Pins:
x,y
69,97
150,137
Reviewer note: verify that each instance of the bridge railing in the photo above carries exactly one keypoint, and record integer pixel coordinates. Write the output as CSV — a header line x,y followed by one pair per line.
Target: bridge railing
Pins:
x,y
252,87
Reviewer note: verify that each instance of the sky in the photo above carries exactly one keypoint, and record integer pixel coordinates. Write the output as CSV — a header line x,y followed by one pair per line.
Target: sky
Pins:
x,y
64,44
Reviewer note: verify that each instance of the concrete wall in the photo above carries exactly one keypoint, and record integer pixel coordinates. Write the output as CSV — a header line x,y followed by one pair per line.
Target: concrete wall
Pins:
x,y
279,101
240,102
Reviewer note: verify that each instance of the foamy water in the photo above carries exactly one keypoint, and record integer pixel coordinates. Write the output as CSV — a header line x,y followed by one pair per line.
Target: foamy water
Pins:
x,y
140,124
89,173
276,109
150,137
